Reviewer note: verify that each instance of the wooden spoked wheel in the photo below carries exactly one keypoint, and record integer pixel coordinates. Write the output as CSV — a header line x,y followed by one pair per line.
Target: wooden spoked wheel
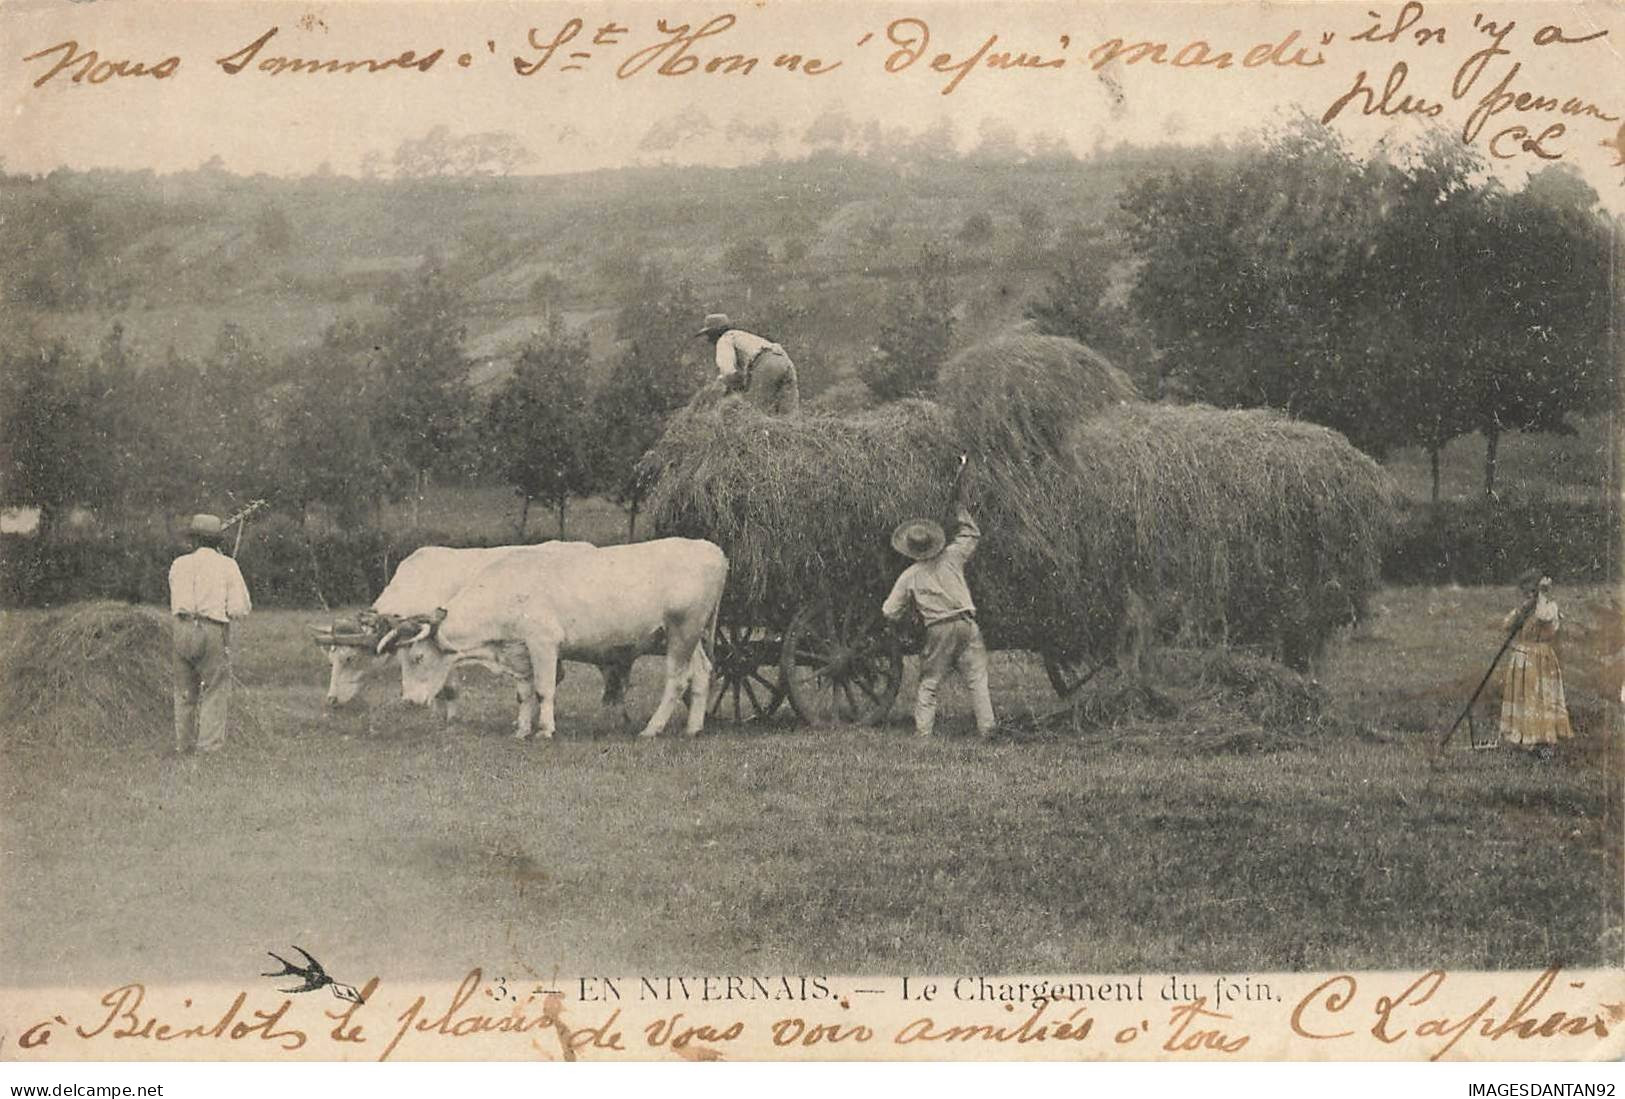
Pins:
x,y
1066,674
745,682
840,666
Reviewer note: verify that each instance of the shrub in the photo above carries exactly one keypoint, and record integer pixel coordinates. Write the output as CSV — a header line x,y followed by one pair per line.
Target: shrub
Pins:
x,y
1492,541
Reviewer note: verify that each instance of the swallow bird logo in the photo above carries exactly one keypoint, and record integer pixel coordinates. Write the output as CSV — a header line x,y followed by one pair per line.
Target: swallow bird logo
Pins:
x,y
314,976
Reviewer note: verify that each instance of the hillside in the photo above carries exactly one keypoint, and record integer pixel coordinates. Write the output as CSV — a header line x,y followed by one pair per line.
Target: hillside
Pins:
x,y
173,257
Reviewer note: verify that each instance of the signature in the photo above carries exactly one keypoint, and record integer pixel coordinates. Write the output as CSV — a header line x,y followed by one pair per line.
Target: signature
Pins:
x,y
1328,1011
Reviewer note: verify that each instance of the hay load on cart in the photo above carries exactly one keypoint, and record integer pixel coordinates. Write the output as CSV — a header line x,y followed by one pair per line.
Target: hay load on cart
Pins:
x,y
1101,515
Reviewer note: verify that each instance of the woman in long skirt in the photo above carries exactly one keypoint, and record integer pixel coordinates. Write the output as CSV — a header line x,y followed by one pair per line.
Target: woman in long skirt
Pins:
x,y
1534,714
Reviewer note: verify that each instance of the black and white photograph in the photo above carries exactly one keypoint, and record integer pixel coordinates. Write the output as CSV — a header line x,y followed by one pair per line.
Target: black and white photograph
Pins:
x,y
805,531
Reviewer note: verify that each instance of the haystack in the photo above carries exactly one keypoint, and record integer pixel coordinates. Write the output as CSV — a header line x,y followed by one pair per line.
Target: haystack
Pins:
x,y
802,505
91,673
1236,526
1252,527
1014,398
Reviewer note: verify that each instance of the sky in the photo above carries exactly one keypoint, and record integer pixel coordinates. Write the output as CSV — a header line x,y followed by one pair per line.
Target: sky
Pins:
x,y
295,122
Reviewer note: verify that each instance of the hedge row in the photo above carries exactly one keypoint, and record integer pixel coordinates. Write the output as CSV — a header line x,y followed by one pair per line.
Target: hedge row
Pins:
x,y
1491,542
284,565
1463,542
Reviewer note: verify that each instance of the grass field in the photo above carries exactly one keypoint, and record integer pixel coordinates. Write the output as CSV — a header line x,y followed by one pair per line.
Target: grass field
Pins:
x,y
387,845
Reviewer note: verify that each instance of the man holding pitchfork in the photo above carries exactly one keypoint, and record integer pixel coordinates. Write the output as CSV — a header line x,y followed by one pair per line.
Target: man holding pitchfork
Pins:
x,y
206,593
935,586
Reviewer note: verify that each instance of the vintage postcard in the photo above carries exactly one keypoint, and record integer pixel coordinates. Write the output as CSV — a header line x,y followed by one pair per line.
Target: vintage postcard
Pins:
x,y
810,531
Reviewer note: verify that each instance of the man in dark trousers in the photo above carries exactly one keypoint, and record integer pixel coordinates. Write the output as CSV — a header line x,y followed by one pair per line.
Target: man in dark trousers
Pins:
x,y
206,593
935,586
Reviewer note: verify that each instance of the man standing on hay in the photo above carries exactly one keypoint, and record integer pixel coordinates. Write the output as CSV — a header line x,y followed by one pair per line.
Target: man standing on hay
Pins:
x,y
935,586
206,592
755,367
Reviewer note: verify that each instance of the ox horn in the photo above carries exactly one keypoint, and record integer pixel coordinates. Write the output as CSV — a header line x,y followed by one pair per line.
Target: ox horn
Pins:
x,y
384,644
431,623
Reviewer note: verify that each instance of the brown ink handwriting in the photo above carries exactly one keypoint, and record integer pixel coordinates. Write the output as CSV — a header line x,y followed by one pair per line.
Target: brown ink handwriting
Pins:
x,y
94,70
235,62
1395,1017
454,1022
126,1018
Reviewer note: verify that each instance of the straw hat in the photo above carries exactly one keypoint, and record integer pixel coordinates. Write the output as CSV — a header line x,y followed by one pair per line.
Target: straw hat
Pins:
x,y
206,526
715,325
920,539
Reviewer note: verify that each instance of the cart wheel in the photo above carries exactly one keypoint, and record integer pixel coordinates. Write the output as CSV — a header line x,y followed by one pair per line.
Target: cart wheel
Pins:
x,y
840,666
745,682
1067,675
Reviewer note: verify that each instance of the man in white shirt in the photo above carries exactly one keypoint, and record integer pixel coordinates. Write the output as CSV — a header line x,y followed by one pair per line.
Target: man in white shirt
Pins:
x,y
206,592
749,364
935,587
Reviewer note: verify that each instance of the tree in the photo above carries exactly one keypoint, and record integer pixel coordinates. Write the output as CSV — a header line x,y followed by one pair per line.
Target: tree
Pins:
x,y
1034,222
656,325
1078,302
832,130
1425,331
49,413
118,431
273,231
977,229
422,408
539,430
1405,300
917,332
1072,303
748,258
442,153
548,291
659,367
936,143
997,140
796,249
1547,354
330,455
1256,281
680,129
629,416
785,318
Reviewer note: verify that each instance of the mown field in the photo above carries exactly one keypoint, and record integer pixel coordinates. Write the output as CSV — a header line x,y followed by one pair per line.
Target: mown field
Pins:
x,y
386,844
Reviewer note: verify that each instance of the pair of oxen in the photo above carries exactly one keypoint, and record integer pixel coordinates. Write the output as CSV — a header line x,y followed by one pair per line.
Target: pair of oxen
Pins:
x,y
520,610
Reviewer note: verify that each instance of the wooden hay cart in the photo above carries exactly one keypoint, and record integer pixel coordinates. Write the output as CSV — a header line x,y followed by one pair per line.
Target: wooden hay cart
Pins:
x,y
833,658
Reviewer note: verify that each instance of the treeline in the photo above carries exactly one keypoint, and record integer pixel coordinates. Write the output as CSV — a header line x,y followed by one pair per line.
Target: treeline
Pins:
x,y
1406,300
366,417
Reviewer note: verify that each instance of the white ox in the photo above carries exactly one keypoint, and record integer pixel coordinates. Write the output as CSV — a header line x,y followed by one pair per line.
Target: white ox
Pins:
x,y
578,606
425,580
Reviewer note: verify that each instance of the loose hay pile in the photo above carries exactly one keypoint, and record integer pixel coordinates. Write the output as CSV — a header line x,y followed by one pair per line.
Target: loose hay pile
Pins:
x,y
1204,702
92,673
1244,527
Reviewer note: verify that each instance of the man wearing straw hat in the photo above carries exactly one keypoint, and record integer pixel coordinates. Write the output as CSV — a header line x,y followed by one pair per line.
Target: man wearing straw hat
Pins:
x,y
206,592
935,585
756,367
